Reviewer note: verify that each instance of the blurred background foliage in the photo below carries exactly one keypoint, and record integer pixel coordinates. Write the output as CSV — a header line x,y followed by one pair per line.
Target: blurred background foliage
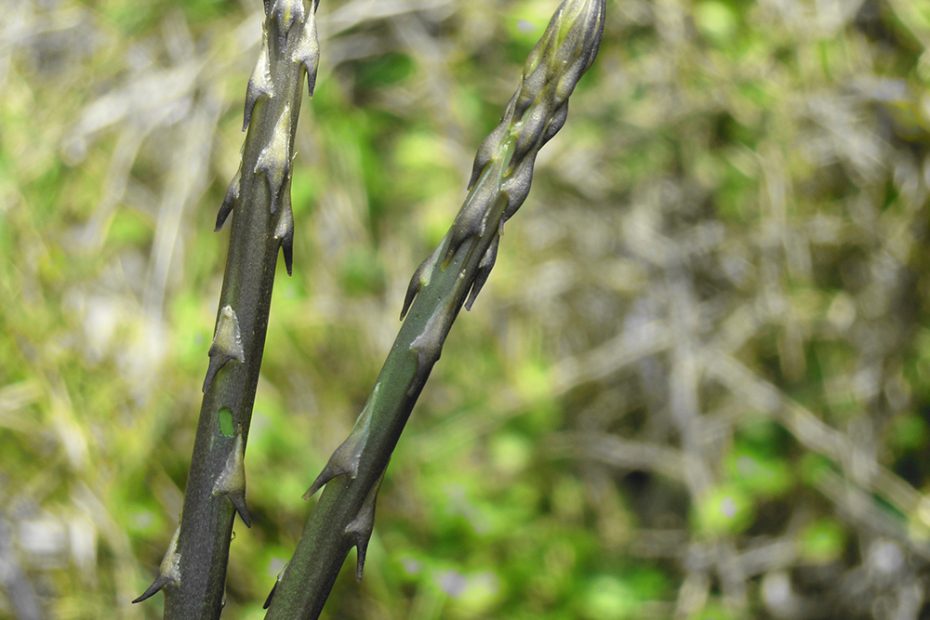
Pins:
x,y
696,386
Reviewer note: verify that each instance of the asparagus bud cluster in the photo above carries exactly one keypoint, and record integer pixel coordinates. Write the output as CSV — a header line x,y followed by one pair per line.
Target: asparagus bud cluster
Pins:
x,y
503,169
452,276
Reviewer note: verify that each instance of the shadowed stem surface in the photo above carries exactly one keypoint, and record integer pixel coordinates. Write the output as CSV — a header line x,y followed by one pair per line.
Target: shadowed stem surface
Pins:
x,y
450,278
193,572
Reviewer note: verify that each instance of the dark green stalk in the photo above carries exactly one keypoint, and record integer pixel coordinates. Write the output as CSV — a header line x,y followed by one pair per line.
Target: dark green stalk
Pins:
x,y
193,572
450,278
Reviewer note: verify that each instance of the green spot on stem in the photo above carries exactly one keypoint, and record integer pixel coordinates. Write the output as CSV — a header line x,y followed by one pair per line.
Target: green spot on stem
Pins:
x,y
225,419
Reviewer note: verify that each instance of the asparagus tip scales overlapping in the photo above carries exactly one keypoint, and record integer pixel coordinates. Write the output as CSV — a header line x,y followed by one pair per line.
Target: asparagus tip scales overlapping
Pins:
x,y
535,113
192,575
452,276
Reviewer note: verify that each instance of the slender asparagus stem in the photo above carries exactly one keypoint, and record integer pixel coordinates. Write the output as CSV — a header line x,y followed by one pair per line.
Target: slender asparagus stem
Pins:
x,y
452,276
193,573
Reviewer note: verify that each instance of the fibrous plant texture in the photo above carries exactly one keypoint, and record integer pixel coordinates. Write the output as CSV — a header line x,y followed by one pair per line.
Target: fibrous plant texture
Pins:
x,y
193,571
452,276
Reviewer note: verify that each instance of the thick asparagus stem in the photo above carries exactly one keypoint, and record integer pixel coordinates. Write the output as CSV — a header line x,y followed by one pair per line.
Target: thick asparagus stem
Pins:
x,y
452,276
193,573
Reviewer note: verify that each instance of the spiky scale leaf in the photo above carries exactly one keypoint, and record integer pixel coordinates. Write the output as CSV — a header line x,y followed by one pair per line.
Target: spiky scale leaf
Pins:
x,y
270,596
169,572
277,580
260,84
472,218
346,458
241,508
484,269
284,231
307,51
227,344
416,283
275,159
231,481
360,528
229,201
420,279
344,461
154,588
427,346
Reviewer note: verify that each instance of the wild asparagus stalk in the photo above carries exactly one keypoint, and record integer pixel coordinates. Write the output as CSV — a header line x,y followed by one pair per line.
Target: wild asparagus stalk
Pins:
x,y
452,276
193,572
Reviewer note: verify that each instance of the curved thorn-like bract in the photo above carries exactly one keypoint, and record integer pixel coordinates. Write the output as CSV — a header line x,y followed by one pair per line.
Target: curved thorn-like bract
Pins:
x,y
231,481
154,588
427,346
229,201
270,596
284,232
307,52
345,459
227,345
277,580
484,270
260,84
472,219
412,289
275,159
419,280
360,528
169,573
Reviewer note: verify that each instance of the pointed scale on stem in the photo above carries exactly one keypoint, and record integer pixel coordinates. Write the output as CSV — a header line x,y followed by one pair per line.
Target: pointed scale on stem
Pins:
x,y
360,528
277,580
231,481
307,52
260,84
275,159
420,279
345,459
169,572
427,346
227,345
229,201
472,219
484,268
284,231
